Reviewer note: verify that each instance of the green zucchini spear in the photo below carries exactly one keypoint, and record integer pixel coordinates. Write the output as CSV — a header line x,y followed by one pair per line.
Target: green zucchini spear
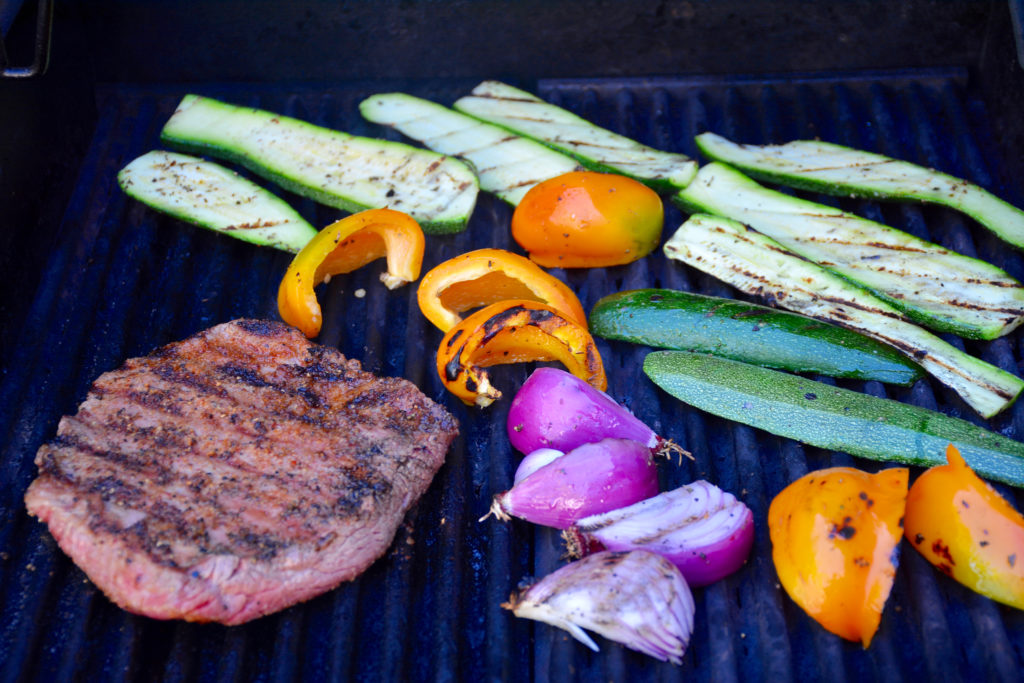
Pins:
x,y
757,265
208,195
933,286
830,417
508,165
334,168
834,169
671,319
596,148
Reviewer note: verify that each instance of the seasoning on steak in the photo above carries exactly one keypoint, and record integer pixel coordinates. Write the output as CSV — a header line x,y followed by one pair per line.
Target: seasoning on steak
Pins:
x,y
235,473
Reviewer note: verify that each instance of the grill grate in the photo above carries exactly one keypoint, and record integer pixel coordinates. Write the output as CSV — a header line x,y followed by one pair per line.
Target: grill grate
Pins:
x,y
122,280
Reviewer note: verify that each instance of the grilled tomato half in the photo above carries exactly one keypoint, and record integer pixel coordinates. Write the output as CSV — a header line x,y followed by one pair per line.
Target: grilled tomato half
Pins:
x,y
585,219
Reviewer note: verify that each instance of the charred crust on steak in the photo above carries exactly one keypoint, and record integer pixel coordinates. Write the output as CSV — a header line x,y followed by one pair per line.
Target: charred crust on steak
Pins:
x,y
262,328
235,473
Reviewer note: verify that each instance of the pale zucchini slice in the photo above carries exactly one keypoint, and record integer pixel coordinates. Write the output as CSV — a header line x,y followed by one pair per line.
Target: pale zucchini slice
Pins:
x,y
834,169
757,265
596,148
208,195
932,285
334,168
508,165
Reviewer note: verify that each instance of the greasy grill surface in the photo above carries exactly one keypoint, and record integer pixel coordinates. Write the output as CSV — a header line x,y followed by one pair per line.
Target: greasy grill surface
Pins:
x,y
122,280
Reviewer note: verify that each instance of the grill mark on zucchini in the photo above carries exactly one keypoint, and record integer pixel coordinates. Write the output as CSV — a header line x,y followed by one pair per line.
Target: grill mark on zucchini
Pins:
x,y
470,138
986,388
559,129
841,244
860,173
331,167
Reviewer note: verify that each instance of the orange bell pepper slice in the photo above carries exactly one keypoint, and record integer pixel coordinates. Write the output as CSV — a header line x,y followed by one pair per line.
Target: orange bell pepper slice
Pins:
x,y
513,331
967,530
834,536
344,246
486,276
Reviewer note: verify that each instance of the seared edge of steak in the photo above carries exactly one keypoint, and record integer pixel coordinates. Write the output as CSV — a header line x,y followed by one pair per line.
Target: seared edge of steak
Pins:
x,y
235,473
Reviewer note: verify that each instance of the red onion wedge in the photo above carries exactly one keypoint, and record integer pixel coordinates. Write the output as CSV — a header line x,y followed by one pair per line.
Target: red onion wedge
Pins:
x,y
638,599
556,409
534,461
700,528
596,477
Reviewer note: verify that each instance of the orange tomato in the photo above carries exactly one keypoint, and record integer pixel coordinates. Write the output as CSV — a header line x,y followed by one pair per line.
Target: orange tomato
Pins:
x,y
967,530
834,537
584,219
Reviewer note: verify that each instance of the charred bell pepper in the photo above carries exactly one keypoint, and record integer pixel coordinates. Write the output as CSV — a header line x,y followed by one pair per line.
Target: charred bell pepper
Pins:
x,y
835,537
967,530
513,331
485,276
344,246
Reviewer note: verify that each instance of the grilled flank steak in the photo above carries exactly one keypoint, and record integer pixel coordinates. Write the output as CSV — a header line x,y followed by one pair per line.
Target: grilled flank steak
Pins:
x,y
235,473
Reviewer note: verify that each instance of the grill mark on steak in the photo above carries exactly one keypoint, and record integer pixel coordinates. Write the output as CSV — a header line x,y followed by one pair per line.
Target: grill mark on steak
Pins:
x,y
235,473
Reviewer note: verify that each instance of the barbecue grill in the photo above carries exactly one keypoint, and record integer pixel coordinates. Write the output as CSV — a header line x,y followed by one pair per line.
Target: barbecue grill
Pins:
x,y
91,278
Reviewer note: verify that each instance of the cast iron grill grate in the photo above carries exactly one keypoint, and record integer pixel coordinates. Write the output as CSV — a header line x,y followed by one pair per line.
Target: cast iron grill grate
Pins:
x,y
122,280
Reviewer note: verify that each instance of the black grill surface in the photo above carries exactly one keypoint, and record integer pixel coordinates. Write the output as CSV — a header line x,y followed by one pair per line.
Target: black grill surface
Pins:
x,y
121,280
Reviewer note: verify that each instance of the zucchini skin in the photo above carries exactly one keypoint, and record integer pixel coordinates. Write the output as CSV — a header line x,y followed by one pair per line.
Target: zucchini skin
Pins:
x,y
750,333
210,196
596,148
931,285
846,172
344,171
830,417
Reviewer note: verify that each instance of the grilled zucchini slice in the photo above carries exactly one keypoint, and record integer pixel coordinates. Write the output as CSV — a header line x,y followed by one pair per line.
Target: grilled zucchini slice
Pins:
x,y
933,286
831,417
835,169
756,264
749,333
334,168
508,165
208,195
596,148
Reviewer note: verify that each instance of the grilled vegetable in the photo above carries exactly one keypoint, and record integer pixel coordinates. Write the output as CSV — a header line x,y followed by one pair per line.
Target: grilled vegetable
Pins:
x,y
344,246
556,409
210,196
486,276
967,530
584,219
671,319
830,417
596,148
590,479
513,331
757,265
508,165
638,599
933,286
835,534
699,528
834,169
334,168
